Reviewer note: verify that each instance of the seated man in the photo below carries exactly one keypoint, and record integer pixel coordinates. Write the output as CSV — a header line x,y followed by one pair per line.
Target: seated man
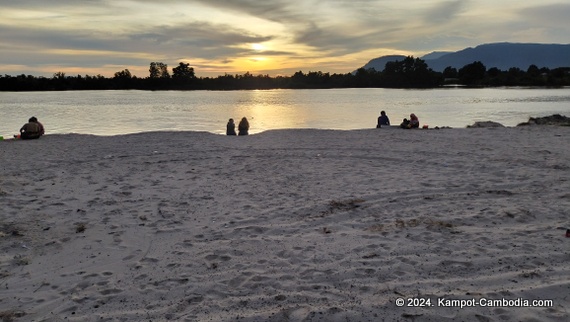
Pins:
x,y
32,130
383,120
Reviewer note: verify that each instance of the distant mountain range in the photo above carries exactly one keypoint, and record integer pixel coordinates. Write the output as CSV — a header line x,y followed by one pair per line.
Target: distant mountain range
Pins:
x,y
500,55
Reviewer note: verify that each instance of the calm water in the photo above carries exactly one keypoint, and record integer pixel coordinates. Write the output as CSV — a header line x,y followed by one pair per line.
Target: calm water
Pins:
x,y
121,112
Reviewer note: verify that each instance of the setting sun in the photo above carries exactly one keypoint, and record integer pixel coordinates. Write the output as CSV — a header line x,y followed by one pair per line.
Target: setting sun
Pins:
x,y
257,47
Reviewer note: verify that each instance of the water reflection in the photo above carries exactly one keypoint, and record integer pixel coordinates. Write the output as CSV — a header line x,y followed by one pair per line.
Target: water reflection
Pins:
x,y
267,112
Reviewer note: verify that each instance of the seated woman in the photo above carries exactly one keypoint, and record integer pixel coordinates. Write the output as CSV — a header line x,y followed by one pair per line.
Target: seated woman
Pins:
x,y
414,121
32,130
243,127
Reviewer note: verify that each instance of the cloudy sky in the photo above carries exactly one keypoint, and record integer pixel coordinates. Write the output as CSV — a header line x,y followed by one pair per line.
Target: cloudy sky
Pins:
x,y
275,37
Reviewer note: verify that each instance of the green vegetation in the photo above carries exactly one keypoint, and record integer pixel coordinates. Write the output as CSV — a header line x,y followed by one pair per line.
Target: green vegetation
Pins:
x,y
408,73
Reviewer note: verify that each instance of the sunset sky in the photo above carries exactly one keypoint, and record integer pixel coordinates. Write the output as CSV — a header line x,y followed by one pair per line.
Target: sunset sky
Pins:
x,y
275,37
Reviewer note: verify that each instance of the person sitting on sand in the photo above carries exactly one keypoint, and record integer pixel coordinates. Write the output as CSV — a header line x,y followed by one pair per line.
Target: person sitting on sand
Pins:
x,y
383,120
231,128
32,130
243,127
414,121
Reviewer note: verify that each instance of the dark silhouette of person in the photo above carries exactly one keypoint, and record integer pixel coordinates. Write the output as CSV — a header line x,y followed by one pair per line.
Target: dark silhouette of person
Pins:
x,y
243,127
231,128
32,130
383,120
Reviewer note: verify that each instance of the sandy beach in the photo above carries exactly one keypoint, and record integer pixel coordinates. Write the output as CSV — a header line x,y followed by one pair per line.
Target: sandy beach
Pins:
x,y
287,225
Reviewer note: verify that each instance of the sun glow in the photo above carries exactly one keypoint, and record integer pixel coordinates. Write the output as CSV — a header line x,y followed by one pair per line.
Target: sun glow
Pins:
x,y
257,47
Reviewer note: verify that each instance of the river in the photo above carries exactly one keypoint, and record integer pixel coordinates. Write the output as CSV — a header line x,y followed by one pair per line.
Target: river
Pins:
x,y
122,112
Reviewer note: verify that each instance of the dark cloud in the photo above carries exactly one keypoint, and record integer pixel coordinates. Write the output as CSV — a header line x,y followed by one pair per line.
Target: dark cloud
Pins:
x,y
51,4
335,41
548,15
445,11
54,39
282,11
198,40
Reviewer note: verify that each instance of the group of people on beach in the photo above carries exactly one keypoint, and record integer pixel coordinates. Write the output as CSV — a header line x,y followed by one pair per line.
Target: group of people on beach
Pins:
x,y
412,123
383,120
34,129
243,127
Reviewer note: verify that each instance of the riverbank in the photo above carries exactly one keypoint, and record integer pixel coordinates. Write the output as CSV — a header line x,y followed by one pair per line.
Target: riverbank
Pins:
x,y
286,225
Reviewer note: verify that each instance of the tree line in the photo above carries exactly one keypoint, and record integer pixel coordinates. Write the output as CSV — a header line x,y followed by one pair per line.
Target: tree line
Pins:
x,y
408,73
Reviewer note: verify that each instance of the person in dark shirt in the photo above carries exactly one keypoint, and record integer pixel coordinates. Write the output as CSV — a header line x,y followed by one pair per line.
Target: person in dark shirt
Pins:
x,y
32,130
383,120
231,128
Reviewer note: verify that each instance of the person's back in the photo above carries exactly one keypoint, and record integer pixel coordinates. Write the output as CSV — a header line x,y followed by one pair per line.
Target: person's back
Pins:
x,y
42,131
383,119
31,130
243,127
414,121
231,127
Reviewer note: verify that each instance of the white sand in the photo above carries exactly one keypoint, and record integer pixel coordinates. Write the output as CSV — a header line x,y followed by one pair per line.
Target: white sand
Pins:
x,y
287,225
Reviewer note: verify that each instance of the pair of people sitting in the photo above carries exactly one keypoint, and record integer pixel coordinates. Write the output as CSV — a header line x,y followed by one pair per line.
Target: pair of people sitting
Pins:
x,y
243,127
412,123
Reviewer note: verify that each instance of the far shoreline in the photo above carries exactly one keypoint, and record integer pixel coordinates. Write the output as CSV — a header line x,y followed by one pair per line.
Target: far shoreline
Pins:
x,y
442,87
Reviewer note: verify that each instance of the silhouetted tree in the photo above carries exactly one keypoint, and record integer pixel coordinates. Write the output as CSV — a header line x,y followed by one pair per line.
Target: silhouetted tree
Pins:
x,y
409,72
158,70
493,72
472,74
183,72
364,77
450,72
533,71
124,74
59,81
59,75
298,80
514,76
559,76
123,80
